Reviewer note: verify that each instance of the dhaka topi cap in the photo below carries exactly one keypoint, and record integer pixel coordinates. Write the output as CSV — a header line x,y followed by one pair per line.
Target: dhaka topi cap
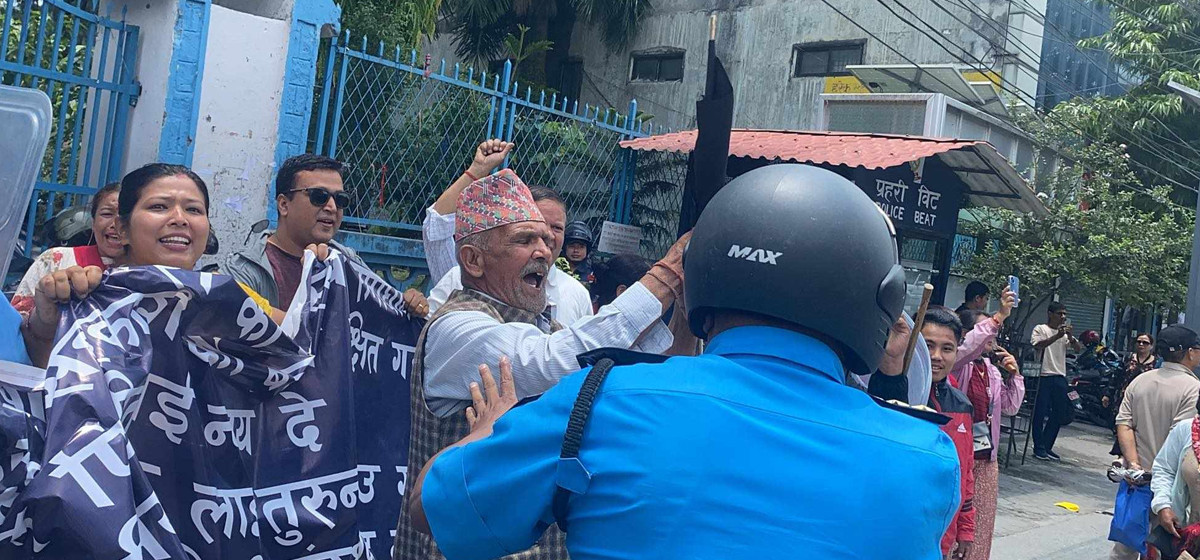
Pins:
x,y
494,201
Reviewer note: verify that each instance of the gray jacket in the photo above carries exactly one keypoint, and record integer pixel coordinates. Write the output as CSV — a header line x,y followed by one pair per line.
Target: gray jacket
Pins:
x,y
252,268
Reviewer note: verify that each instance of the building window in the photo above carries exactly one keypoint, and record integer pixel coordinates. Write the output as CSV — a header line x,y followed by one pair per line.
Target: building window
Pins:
x,y
570,78
826,59
657,67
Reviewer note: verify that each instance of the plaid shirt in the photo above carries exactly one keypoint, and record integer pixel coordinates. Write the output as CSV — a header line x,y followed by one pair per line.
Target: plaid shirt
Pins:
x,y
430,434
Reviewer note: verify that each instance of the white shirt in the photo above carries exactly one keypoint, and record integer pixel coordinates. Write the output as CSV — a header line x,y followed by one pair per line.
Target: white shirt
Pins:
x,y
437,235
1054,356
1169,488
458,342
569,300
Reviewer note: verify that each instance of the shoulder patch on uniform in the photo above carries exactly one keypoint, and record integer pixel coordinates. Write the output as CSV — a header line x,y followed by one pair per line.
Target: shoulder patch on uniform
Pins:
x,y
619,356
921,412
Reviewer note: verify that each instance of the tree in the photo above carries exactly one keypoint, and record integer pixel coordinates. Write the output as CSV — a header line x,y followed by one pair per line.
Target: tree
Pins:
x,y
480,27
1104,233
517,49
1154,42
402,23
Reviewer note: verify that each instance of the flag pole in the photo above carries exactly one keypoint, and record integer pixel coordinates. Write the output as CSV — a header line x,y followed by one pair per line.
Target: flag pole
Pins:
x,y
714,122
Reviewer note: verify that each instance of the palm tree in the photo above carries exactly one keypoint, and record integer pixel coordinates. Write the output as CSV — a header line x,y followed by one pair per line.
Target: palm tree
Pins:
x,y
402,23
480,28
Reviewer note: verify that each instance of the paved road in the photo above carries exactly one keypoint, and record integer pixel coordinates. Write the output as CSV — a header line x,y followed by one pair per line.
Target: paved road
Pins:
x,y
1028,524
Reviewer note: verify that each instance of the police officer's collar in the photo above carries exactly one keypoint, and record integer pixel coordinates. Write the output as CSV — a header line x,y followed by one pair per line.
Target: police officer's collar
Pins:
x,y
779,343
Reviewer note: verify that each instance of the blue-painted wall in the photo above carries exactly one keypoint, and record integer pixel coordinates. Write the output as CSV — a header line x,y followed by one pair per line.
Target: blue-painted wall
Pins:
x,y
182,109
300,74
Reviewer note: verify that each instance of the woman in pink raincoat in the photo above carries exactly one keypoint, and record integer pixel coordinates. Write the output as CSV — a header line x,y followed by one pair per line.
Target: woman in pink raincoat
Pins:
x,y
992,381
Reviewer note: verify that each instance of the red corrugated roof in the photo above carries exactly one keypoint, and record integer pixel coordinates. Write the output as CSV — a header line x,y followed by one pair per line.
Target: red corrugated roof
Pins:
x,y
872,151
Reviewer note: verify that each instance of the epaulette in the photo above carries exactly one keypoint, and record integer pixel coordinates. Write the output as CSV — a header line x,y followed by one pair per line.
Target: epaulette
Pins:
x,y
919,411
619,356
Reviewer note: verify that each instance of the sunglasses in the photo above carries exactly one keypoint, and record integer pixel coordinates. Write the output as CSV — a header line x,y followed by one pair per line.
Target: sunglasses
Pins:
x,y
318,196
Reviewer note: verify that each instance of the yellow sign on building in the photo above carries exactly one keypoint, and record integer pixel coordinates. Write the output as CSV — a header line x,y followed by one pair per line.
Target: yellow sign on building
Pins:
x,y
851,84
844,84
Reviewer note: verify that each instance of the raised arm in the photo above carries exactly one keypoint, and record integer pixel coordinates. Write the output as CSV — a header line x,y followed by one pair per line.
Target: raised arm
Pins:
x,y
976,341
437,232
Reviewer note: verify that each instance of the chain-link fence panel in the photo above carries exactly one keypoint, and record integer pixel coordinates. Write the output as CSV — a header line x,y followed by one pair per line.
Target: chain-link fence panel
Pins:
x,y
405,132
657,197
403,137
578,159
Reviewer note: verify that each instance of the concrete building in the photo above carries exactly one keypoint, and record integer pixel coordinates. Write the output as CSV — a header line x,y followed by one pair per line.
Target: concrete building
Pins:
x,y
782,55
1066,70
787,61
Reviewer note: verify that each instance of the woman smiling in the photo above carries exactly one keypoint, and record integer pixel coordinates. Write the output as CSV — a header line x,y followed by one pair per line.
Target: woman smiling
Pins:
x,y
163,220
106,249
164,216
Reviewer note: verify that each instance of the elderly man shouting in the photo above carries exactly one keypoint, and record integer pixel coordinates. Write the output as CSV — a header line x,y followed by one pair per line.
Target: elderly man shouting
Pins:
x,y
505,256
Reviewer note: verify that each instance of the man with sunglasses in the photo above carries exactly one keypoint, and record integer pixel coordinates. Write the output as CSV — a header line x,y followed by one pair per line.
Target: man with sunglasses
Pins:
x,y
309,198
1154,402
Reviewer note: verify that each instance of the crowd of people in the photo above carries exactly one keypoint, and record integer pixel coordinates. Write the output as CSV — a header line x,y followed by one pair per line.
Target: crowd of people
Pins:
x,y
711,419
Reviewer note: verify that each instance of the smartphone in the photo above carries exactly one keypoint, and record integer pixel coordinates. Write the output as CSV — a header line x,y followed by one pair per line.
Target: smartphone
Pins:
x,y
1014,284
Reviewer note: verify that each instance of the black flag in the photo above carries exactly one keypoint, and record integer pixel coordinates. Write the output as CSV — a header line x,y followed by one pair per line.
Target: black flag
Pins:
x,y
714,119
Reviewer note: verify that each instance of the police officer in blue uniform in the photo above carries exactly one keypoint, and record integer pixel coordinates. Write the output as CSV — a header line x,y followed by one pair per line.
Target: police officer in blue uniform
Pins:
x,y
756,449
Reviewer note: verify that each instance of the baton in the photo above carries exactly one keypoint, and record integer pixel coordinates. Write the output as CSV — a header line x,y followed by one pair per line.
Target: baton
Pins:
x,y
918,323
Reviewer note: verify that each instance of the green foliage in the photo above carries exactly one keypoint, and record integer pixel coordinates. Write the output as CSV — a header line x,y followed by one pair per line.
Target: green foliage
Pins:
x,y
1155,39
518,51
617,20
68,59
480,27
1154,42
576,160
1102,234
657,197
1115,224
402,23
403,138
583,162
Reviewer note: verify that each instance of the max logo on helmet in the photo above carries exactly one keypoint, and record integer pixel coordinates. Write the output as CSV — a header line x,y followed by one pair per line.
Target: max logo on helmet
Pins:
x,y
753,255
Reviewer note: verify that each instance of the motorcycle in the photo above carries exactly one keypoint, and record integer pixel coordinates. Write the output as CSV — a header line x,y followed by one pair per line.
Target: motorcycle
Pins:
x,y
1094,382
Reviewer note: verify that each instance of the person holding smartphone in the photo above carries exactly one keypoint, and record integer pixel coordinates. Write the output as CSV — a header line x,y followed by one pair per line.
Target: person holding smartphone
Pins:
x,y
1053,408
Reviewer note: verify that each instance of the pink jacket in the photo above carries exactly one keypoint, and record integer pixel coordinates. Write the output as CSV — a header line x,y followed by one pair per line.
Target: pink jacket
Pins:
x,y
1006,397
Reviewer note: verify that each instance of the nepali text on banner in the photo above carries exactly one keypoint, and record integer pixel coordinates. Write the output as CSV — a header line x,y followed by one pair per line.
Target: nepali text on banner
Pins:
x,y
178,421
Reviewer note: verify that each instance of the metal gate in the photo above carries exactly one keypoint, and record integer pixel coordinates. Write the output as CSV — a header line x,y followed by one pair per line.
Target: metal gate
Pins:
x,y
84,61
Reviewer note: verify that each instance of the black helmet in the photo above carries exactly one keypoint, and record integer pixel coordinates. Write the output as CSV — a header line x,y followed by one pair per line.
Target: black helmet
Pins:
x,y
578,231
212,247
801,244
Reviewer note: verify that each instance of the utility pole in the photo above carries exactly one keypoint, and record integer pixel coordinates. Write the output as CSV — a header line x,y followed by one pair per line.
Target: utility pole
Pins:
x,y
1192,312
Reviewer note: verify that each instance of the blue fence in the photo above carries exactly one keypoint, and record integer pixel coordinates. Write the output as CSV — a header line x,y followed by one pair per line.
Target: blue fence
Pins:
x,y
407,127
84,61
